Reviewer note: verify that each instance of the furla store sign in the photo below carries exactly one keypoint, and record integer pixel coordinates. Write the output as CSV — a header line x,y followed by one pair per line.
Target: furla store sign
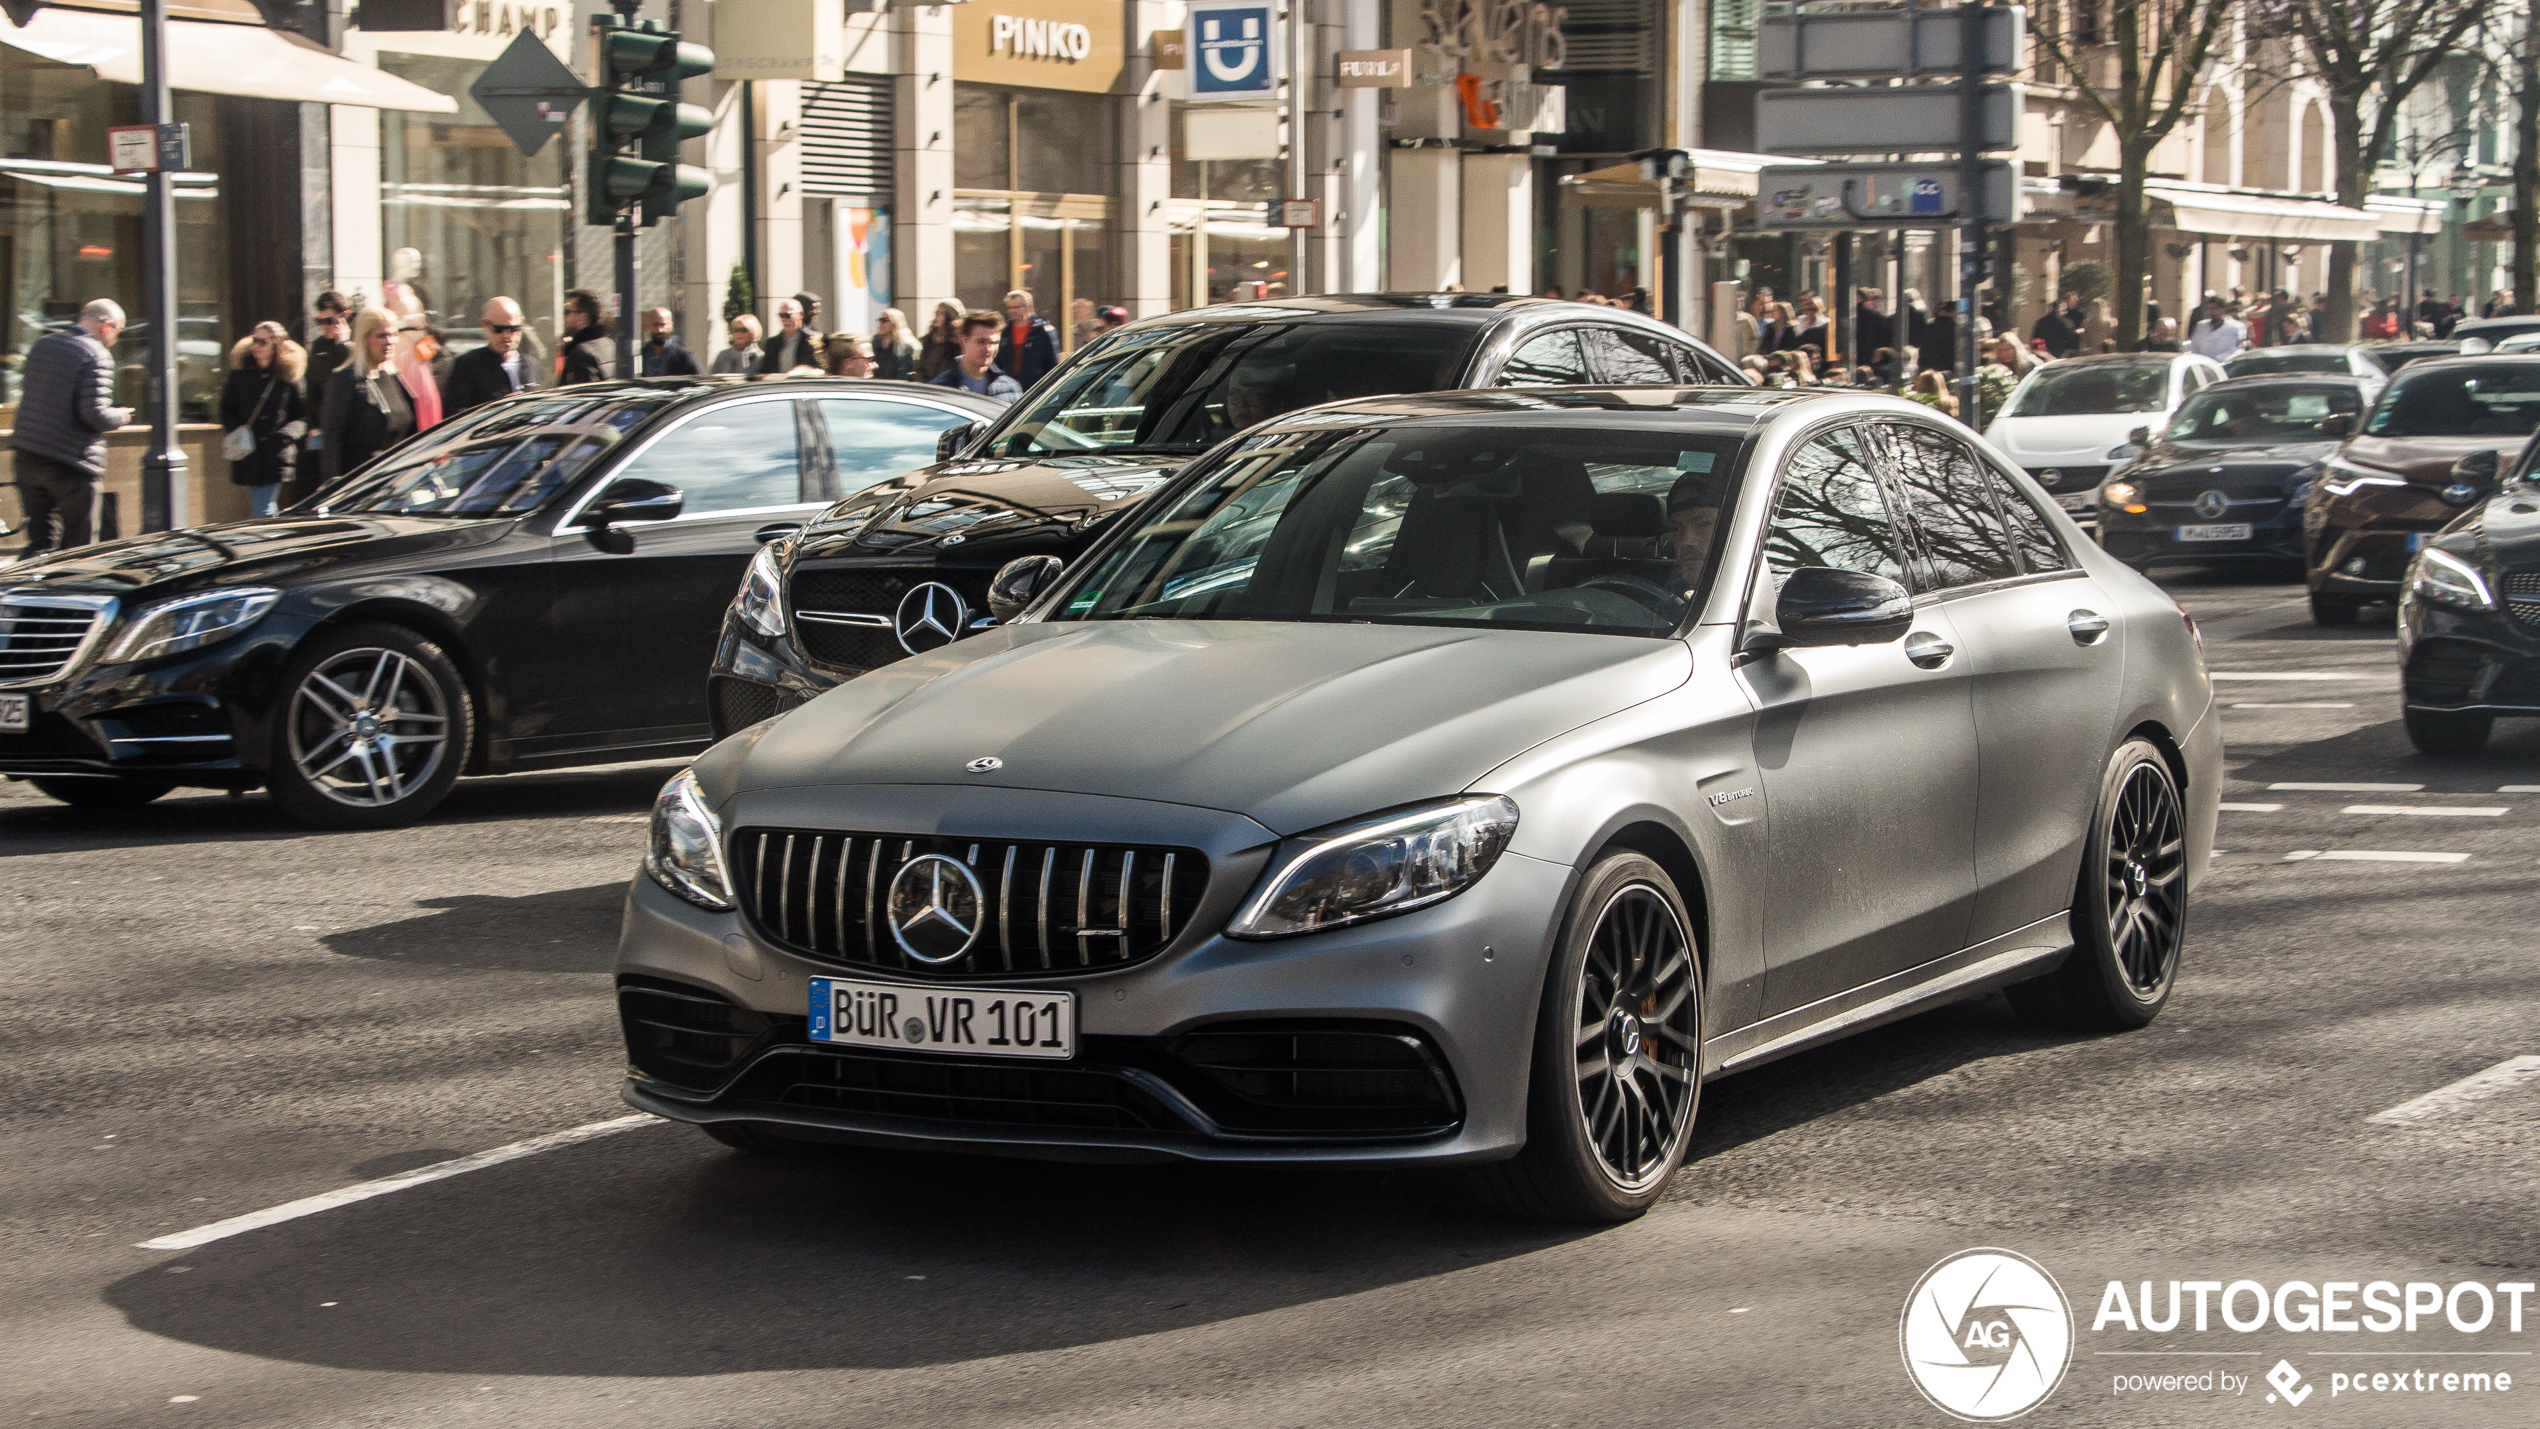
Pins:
x,y
1041,44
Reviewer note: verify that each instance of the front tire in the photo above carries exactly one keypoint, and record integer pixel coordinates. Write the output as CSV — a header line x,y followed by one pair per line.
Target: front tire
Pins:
x,y
101,793
2448,731
1617,1067
371,730
2130,910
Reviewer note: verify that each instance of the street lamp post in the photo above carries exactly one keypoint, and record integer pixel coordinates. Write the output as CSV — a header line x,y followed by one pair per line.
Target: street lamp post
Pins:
x,y
163,466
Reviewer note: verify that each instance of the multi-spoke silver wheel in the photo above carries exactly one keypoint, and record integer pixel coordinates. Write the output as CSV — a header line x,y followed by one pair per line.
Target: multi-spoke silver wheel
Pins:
x,y
1637,1035
368,727
2146,872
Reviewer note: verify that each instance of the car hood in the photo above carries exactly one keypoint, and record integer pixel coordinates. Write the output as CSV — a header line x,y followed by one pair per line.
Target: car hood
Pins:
x,y
998,509
2509,529
2201,462
2078,441
275,550
1293,725
2427,460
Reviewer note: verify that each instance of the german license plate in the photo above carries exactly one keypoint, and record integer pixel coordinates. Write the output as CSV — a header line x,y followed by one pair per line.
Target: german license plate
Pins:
x,y
13,714
2237,531
2419,540
973,1021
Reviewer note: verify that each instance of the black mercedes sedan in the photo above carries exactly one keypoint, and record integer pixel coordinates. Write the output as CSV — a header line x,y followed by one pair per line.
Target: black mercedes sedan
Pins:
x,y
2226,478
537,583
903,568
2469,614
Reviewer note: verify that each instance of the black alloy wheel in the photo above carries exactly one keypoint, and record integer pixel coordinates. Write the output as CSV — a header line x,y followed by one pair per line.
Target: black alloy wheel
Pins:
x,y
2448,731
371,731
2130,911
1617,1076
101,793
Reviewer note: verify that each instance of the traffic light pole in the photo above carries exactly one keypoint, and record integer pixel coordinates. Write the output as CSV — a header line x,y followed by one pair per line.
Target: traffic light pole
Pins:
x,y
627,340
163,465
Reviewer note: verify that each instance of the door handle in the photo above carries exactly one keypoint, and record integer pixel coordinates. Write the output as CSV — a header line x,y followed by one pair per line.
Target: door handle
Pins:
x,y
1928,651
778,532
2089,627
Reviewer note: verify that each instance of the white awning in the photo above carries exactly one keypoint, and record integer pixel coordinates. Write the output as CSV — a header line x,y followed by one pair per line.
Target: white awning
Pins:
x,y
2198,209
2406,215
208,58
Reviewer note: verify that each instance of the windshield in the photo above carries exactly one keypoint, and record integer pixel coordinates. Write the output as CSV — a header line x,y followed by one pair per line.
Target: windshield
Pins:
x,y
1614,532
1183,389
2093,390
506,459
2263,414
2460,399
2268,362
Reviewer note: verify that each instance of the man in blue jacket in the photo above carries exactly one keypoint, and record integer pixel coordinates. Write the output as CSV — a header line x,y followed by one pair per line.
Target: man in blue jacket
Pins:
x,y
1028,349
64,412
977,369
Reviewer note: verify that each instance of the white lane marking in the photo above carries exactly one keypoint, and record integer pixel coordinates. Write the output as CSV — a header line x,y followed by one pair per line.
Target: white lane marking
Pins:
x,y
2518,788
2347,788
618,819
2430,810
2283,675
2319,705
2251,808
403,1180
2366,855
2509,1075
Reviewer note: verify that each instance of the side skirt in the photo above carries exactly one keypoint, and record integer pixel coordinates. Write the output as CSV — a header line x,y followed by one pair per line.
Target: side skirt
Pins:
x,y
2015,956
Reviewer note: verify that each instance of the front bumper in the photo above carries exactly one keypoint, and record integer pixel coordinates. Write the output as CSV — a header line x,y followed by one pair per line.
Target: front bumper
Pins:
x,y
2152,537
1452,990
2485,662
198,719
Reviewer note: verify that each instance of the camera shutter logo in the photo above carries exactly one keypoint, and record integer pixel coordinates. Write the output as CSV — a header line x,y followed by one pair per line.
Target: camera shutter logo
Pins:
x,y
1986,1335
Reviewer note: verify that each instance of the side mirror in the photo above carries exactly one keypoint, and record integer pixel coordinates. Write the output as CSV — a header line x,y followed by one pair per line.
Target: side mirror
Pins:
x,y
1823,606
1018,582
2478,468
950,441
2139,437
2336,424
632,498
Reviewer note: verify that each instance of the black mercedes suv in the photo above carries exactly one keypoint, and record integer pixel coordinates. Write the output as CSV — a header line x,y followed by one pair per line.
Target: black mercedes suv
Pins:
x,y
536,583
904,566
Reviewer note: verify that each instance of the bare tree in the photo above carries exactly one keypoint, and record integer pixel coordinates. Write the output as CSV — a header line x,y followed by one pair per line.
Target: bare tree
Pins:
x,y
2369,56
2158,50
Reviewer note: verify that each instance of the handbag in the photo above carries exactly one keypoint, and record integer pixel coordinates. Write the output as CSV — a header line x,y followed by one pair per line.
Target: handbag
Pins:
x,y
240,444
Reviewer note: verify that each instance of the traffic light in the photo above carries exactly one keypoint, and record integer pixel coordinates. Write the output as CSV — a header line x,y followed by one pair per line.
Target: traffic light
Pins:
x,y
642,69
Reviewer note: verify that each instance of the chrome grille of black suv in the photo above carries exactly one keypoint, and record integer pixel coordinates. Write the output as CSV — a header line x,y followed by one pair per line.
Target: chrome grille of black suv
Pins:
x,y
39,635
842,616
1048,907
2522,595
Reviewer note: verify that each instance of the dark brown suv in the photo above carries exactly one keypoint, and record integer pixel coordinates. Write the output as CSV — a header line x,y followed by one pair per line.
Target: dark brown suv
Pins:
x,y
2427,453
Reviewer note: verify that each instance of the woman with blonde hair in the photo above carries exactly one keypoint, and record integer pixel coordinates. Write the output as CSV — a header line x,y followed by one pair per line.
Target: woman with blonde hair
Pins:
x,y
1932,390
894,348
368,409
262,413
743,357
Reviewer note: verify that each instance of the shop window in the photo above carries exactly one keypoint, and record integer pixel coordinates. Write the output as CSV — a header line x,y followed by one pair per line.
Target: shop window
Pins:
x,y
1033,171
465,216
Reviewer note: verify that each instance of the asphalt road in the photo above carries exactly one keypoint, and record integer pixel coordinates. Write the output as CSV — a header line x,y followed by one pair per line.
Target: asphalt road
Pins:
x,y
209,1011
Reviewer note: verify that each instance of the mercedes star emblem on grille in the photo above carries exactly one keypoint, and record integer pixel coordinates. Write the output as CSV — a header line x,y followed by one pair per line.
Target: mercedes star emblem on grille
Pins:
x,y
936,908
2209,504
930,617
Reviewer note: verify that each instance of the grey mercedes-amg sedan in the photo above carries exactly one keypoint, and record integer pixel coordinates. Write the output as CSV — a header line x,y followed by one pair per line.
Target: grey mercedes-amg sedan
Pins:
x,y
1461,778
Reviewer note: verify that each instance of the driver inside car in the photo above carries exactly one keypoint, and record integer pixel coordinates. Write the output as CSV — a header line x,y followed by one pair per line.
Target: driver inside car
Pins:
x,y
1693,518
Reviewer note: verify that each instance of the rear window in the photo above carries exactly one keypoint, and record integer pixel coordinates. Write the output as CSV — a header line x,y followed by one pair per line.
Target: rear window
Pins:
x,y
2263,414
1183,389
2093,389
2265,362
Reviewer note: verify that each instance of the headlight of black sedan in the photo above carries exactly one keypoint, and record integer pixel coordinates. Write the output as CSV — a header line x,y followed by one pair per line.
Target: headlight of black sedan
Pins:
x,y
176,626
2447,580
1382,866
685,851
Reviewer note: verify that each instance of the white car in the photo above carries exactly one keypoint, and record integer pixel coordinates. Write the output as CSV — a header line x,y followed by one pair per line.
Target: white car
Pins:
x,y
2070,423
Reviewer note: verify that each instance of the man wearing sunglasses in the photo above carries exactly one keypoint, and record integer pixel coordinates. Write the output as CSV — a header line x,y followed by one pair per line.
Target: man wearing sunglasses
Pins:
x,y
495,370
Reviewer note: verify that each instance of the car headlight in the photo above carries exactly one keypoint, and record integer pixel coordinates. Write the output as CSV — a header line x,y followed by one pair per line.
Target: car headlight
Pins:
x,y
1379,867
2446,579
2339,478
191,623
761,605
2125,496
685,854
